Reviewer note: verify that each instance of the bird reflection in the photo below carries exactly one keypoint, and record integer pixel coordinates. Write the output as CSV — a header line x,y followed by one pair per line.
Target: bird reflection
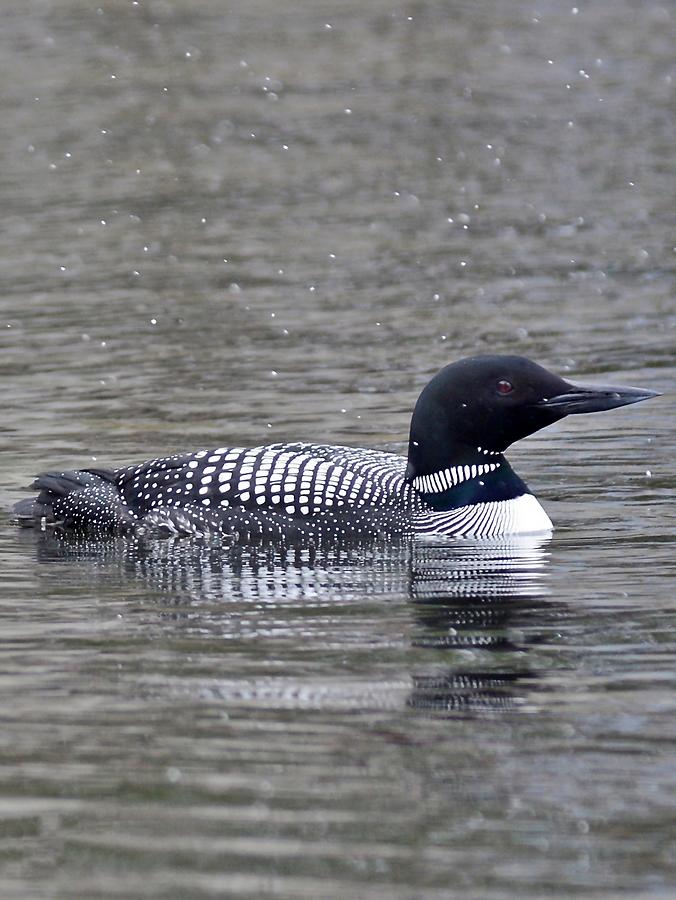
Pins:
x,y
475,607
474,601
200,570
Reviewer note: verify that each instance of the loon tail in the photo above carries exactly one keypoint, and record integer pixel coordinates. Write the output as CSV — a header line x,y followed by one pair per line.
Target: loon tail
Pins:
x,y
75,500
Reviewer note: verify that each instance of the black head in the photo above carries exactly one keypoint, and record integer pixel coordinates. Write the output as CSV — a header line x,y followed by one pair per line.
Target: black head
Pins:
x,y
489,402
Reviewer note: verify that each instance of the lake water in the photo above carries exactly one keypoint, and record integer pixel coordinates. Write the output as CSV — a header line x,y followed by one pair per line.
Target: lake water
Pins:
x,y
239,223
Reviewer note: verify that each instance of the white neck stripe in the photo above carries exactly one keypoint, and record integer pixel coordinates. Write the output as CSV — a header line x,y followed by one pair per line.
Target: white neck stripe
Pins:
x,y
438,482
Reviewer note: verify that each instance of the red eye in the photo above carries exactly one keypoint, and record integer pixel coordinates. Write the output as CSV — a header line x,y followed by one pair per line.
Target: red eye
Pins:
x,y
504,387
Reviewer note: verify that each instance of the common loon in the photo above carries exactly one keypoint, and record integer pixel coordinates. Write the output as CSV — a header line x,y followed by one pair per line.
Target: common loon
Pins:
x,y
455,482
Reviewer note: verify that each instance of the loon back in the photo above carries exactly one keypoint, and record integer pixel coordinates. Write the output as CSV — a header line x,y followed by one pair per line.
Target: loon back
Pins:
x,y
456,480
273,492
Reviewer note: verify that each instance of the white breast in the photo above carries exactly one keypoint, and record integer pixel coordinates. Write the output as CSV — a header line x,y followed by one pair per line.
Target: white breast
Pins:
x,y
521,515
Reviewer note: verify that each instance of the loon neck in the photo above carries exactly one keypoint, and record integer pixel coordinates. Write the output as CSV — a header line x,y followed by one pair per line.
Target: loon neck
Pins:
x,y
463,477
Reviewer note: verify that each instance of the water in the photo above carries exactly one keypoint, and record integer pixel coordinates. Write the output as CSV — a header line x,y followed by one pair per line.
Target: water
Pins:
x,y
243,237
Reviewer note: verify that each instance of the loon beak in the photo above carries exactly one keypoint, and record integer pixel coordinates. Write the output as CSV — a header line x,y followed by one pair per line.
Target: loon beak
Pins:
x,y
586,398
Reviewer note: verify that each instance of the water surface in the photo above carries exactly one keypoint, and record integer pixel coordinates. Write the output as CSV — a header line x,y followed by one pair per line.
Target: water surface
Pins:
x,y
267,221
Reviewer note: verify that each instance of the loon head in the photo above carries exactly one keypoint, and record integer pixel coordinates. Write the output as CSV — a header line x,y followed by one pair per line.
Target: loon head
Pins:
x,y
476,407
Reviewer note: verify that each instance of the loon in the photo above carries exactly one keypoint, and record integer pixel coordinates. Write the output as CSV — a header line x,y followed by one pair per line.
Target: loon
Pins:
x,y
456,480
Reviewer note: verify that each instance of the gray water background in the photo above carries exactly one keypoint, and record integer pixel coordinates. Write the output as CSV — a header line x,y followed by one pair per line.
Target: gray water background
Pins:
x,y
238,223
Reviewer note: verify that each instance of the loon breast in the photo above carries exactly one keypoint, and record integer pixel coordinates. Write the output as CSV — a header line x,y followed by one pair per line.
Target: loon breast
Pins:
x,y
518,515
